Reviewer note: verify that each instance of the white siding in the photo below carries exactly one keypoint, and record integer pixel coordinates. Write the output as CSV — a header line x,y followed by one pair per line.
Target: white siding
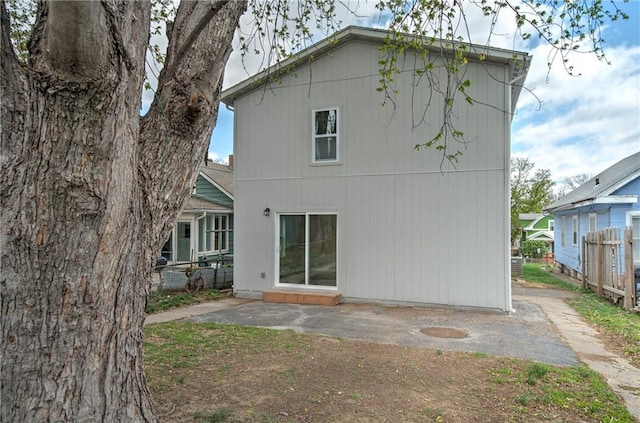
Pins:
x,y
409,230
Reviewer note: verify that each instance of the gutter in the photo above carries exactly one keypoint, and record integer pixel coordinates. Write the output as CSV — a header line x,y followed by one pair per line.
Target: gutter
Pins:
x,y
614,199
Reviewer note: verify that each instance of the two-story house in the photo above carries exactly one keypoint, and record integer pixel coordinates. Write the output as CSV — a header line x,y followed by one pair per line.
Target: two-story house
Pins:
x,y
331,195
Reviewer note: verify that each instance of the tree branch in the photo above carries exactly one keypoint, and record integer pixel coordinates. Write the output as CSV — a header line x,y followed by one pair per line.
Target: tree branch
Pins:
x,y
176,131
199,27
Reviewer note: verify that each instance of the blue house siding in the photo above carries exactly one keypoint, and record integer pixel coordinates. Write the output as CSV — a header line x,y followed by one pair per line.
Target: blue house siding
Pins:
x,y
607,216
632,188
570,254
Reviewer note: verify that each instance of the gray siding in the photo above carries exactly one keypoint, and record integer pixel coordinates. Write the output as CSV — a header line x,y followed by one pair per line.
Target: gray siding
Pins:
x,y
409,230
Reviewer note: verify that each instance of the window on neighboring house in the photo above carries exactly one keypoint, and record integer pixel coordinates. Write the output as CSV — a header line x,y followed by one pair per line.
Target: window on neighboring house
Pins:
x,y
563,230
552,226
221,233
633,219
213,233
592,222
205,225
574,229
325,136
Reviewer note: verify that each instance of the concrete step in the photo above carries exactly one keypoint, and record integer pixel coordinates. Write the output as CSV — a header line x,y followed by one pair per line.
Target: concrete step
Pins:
x,y
301,296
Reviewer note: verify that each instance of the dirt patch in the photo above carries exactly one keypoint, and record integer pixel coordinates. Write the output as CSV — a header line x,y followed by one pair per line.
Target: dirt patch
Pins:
x,y
326,379
302,378
440,332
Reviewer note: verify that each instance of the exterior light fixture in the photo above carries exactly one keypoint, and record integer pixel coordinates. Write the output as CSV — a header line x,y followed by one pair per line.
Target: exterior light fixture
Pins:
x,y
267,211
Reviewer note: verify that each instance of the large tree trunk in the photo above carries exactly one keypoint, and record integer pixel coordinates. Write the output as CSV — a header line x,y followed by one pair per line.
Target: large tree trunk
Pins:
x,y
89,192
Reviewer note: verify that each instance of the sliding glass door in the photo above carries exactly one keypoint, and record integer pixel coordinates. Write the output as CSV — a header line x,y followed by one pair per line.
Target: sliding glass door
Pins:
x,y
307,249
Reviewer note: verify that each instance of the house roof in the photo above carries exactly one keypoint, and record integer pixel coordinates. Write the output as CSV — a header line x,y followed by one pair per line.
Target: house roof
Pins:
x,y
600,188
518,68
197,204
219,175
540,236
530,216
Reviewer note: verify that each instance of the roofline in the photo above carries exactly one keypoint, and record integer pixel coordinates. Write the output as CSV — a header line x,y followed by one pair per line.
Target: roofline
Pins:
x,y
311,53
217,185
624,181
540,236
611,199
534,221
226,210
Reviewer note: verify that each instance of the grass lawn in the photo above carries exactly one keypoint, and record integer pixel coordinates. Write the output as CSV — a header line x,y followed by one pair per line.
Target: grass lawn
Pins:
x,y
226,373
229,373
161,300
620,328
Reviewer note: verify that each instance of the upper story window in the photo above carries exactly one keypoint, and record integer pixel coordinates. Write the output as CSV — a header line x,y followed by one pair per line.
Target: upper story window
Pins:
x,y
552,226
325,135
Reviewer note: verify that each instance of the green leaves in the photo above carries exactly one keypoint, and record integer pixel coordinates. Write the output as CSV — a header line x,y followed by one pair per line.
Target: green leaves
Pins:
x,y
531,191
23,15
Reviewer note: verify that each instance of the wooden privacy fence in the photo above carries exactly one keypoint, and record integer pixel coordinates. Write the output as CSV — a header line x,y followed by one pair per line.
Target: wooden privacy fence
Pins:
x,y
607,265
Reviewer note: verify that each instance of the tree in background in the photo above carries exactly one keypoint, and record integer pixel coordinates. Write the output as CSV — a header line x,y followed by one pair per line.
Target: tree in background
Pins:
x,y
90,189
531,191
572,182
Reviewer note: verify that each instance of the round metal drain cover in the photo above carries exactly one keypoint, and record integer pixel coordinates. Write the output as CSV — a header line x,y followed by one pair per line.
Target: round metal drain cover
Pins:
x,y
440,332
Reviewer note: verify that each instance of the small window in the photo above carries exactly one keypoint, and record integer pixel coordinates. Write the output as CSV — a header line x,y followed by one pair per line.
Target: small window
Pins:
x,y
592,222
552,226
574,229
325,136
563,229
633,220
635,235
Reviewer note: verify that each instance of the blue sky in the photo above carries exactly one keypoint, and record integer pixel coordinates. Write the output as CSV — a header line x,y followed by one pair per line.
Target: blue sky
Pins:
x,y
579,125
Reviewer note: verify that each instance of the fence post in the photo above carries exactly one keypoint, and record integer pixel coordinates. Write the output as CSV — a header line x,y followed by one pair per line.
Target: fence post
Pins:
x,y
584,262
629,283
600,254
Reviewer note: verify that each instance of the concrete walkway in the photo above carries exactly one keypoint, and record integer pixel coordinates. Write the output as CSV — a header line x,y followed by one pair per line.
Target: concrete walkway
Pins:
x,y
622,377
194,310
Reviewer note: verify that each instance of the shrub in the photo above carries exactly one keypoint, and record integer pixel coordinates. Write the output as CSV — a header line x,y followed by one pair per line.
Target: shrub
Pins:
x,y
530,248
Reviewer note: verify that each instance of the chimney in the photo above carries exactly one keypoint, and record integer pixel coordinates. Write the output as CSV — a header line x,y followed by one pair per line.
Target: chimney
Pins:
x,y
231,161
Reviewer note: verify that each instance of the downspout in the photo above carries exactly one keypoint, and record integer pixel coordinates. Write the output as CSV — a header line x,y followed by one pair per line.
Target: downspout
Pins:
x,y
508,307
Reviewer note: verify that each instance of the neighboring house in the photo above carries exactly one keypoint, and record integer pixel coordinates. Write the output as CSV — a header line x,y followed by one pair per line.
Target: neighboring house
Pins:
x,y
537,227
205,226
330,193
609,199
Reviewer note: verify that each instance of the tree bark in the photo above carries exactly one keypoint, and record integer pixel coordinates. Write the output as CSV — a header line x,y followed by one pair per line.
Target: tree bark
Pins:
x,y
90,191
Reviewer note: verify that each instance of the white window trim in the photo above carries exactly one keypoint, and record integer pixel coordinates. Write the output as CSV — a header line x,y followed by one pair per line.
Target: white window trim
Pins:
x,y
631,214
212,232
563,229
306,253
314,136
218,233
595,222
551,225
574,230
628,219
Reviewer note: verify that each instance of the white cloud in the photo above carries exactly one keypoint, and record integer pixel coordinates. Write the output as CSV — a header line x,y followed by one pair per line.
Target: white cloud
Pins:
x,y
214,157
586,123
